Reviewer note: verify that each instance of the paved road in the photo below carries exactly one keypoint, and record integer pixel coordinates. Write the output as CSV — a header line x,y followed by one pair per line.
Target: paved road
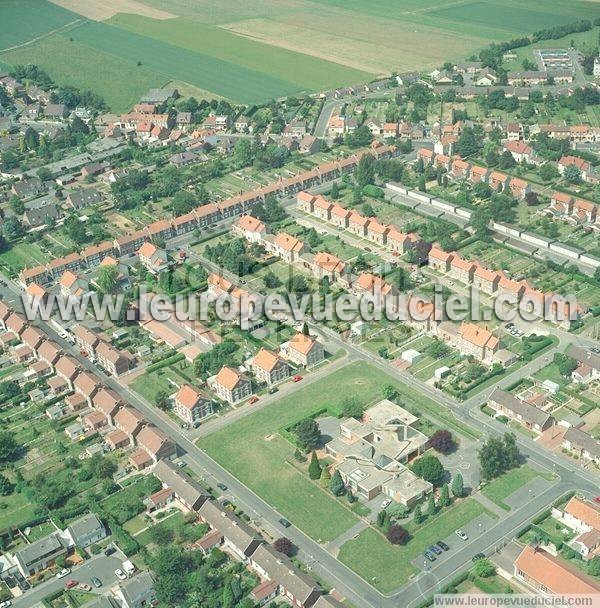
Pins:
x,y
100,566
312,553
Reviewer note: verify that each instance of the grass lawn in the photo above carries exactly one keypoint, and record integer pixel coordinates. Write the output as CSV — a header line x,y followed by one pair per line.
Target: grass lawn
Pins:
x,y
498,489
18,510
253,450
148,385
550,372
135,524
386,566
170,523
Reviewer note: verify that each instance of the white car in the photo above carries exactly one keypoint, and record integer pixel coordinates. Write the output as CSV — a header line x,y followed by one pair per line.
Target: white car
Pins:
x,y
120,574
461,534
5,604
386,503
63,573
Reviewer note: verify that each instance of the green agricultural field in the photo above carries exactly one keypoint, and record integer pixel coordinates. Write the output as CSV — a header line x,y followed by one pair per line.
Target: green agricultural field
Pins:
x,y
388,567
198,69
24,20
118,81
308,72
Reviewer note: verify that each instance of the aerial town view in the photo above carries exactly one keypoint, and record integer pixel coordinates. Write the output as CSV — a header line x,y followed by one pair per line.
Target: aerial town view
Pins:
x,y
299,303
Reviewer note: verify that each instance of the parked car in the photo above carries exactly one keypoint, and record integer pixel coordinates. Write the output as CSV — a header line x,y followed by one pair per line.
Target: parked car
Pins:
x,y
96,581
120,574
222,487
109,551
443,545
272,390
297,378
284,522
429,556
435,549
84,587
386,503
461,534
5,604
71,583
253,400
63,573
477,557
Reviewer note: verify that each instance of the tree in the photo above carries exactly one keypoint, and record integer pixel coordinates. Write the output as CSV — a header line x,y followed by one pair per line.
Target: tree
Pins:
x,y
6,487
305,329
271,280
13,228
469,142
484,568
480,219
17,206
458,488
566,364
397,535
548,172
308,434
497,456
444,496
314,468
31,139
431,506
572,174
368,210
325,477
161,400
335,191
506,161
383,519
532,199
284,545
594,566
108,279
389,392
336,484
430,469
365,171
9,448
418,515
352,408
442,441
183,202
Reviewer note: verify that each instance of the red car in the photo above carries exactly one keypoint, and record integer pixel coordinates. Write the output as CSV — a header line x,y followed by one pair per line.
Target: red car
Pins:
x,y
297,378
71,583
253,400
597,499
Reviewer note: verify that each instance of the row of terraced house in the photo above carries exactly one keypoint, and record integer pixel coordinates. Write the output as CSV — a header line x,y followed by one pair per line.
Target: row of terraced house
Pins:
x,y
99,407
554,307
280,577
199,218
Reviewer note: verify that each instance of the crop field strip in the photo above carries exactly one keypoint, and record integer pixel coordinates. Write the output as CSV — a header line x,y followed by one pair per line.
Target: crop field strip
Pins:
x,y
263,49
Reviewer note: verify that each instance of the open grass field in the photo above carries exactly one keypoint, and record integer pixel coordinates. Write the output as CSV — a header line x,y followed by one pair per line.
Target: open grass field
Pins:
x,y
386,566
254,451
498,489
